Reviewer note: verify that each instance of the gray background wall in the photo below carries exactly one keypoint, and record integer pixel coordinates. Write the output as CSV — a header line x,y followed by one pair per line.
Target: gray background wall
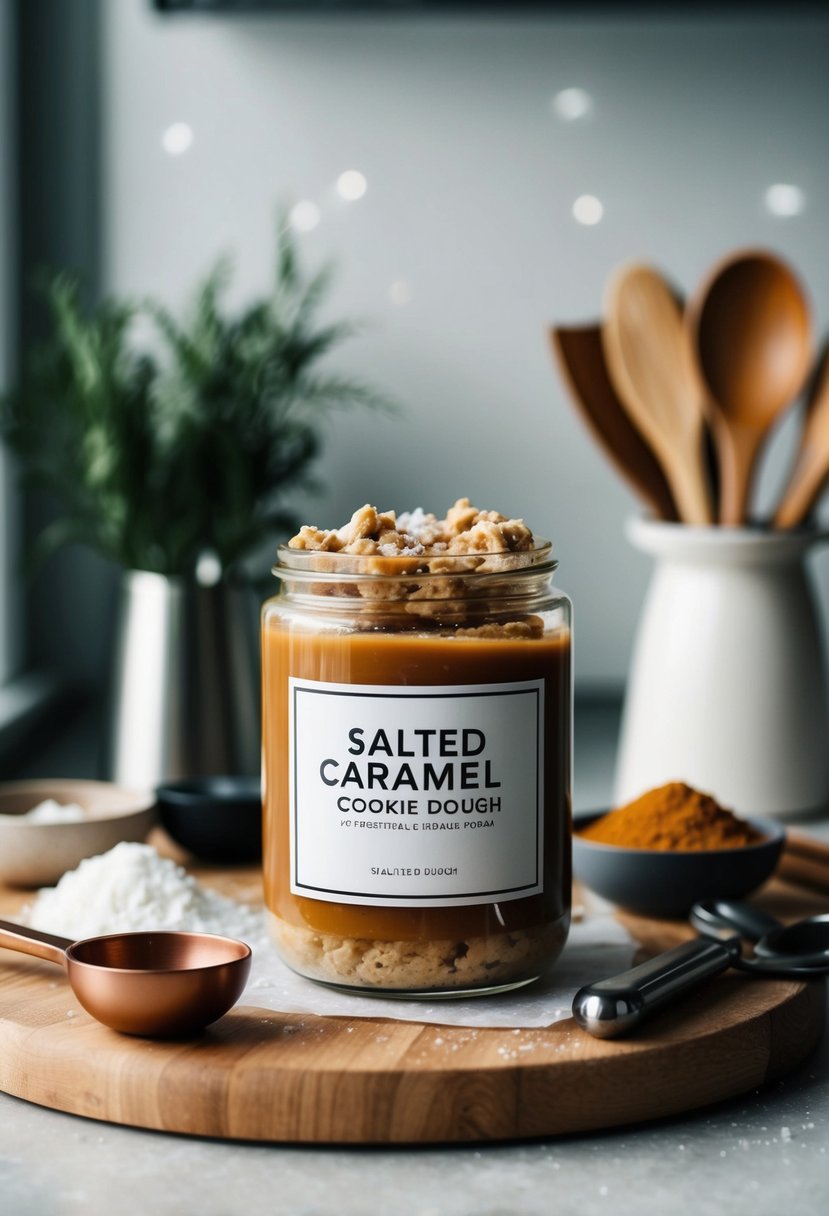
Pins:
x,y
70,601
8,515
471,181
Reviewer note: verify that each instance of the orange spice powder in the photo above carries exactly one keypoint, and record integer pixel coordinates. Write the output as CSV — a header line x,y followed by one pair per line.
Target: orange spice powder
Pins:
x,y
673,816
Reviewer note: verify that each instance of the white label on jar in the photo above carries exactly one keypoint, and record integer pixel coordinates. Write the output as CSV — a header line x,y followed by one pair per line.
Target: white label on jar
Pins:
x,y
417,796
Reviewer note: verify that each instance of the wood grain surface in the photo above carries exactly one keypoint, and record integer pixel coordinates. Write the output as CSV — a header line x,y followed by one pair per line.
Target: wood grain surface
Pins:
x,y
260,1075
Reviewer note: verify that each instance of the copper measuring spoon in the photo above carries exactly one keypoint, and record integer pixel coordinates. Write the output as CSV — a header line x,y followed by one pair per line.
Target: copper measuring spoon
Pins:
x,y
153,984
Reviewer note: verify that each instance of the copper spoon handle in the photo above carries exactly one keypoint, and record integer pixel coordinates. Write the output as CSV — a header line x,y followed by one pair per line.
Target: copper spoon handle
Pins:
x,y
32,941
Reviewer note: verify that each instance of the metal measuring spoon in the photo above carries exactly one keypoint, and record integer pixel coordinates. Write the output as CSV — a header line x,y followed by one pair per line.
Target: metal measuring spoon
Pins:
x,y
804,938
152,984
615,1006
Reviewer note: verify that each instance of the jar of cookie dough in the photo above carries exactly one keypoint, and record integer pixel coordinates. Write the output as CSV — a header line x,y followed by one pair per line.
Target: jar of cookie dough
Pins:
x,y
417,710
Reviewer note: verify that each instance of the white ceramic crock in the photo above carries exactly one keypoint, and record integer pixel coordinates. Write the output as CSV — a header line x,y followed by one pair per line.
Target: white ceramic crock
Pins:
x,y
727,687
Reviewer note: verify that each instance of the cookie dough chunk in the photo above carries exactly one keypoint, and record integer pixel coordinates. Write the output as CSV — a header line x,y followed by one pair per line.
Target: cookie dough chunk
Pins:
x,y
414,533
443,965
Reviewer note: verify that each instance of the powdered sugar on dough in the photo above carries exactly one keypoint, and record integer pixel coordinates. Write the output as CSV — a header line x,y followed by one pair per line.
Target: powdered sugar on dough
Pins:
x,y
465,530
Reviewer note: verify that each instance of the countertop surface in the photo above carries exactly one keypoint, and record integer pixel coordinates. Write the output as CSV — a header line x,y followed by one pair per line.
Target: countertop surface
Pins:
x,y
766,1151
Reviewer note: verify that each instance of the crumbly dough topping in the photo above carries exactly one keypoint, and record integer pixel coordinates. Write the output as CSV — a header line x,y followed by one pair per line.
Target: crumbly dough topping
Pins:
x,y
424,567
465,530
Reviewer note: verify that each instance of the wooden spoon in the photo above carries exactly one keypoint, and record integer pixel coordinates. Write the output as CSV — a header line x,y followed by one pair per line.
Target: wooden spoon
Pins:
x,y
811,469
580,358
749,324
650,361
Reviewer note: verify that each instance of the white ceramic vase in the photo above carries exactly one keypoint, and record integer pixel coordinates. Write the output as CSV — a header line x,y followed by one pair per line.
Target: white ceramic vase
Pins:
x,y
727,688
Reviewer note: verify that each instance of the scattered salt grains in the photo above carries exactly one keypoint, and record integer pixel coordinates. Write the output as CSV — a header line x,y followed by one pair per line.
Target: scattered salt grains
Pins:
x,y
416,524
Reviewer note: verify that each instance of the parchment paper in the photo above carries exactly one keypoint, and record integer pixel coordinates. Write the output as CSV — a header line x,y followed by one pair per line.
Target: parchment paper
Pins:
x,y
596,948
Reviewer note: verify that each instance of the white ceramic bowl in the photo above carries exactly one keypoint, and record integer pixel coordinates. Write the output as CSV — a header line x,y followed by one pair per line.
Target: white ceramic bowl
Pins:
x,y
37,854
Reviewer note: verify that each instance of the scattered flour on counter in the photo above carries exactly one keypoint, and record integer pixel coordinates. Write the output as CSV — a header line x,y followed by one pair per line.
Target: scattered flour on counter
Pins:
x,y
132,888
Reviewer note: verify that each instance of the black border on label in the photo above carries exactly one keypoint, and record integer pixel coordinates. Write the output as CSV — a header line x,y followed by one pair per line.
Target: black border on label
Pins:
x,y
479,896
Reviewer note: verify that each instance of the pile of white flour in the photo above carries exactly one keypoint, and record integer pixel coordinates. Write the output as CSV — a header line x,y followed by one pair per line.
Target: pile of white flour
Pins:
x,y
50,811
131,889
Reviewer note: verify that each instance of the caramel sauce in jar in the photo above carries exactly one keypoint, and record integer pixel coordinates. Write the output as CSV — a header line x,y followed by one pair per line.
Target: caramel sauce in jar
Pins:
x,y
417,721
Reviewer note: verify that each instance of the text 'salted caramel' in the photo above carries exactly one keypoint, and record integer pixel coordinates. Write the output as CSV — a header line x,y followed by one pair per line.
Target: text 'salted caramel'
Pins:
x,y
417,711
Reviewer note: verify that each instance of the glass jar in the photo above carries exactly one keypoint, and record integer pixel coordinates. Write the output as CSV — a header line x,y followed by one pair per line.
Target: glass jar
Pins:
x,y
417,721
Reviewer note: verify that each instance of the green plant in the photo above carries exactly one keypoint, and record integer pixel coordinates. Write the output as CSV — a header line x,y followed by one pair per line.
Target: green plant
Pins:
x,y
154,457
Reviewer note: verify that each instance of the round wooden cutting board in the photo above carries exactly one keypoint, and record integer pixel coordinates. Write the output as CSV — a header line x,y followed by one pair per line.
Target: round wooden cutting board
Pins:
x,y
260,1075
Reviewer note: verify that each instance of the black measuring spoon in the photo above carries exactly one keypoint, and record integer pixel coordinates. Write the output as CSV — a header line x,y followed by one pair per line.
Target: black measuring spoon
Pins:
x,y
613,1007
803,940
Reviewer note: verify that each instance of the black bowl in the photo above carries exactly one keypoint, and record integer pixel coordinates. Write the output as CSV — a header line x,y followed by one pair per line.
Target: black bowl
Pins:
x,y
217,819
665,883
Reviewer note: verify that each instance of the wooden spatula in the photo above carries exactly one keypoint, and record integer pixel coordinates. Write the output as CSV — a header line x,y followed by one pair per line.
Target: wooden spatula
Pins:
x,y
581,362
651,365
811,470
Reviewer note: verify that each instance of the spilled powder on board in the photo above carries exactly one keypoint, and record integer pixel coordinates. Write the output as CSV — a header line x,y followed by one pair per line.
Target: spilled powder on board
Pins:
x,y
133,889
